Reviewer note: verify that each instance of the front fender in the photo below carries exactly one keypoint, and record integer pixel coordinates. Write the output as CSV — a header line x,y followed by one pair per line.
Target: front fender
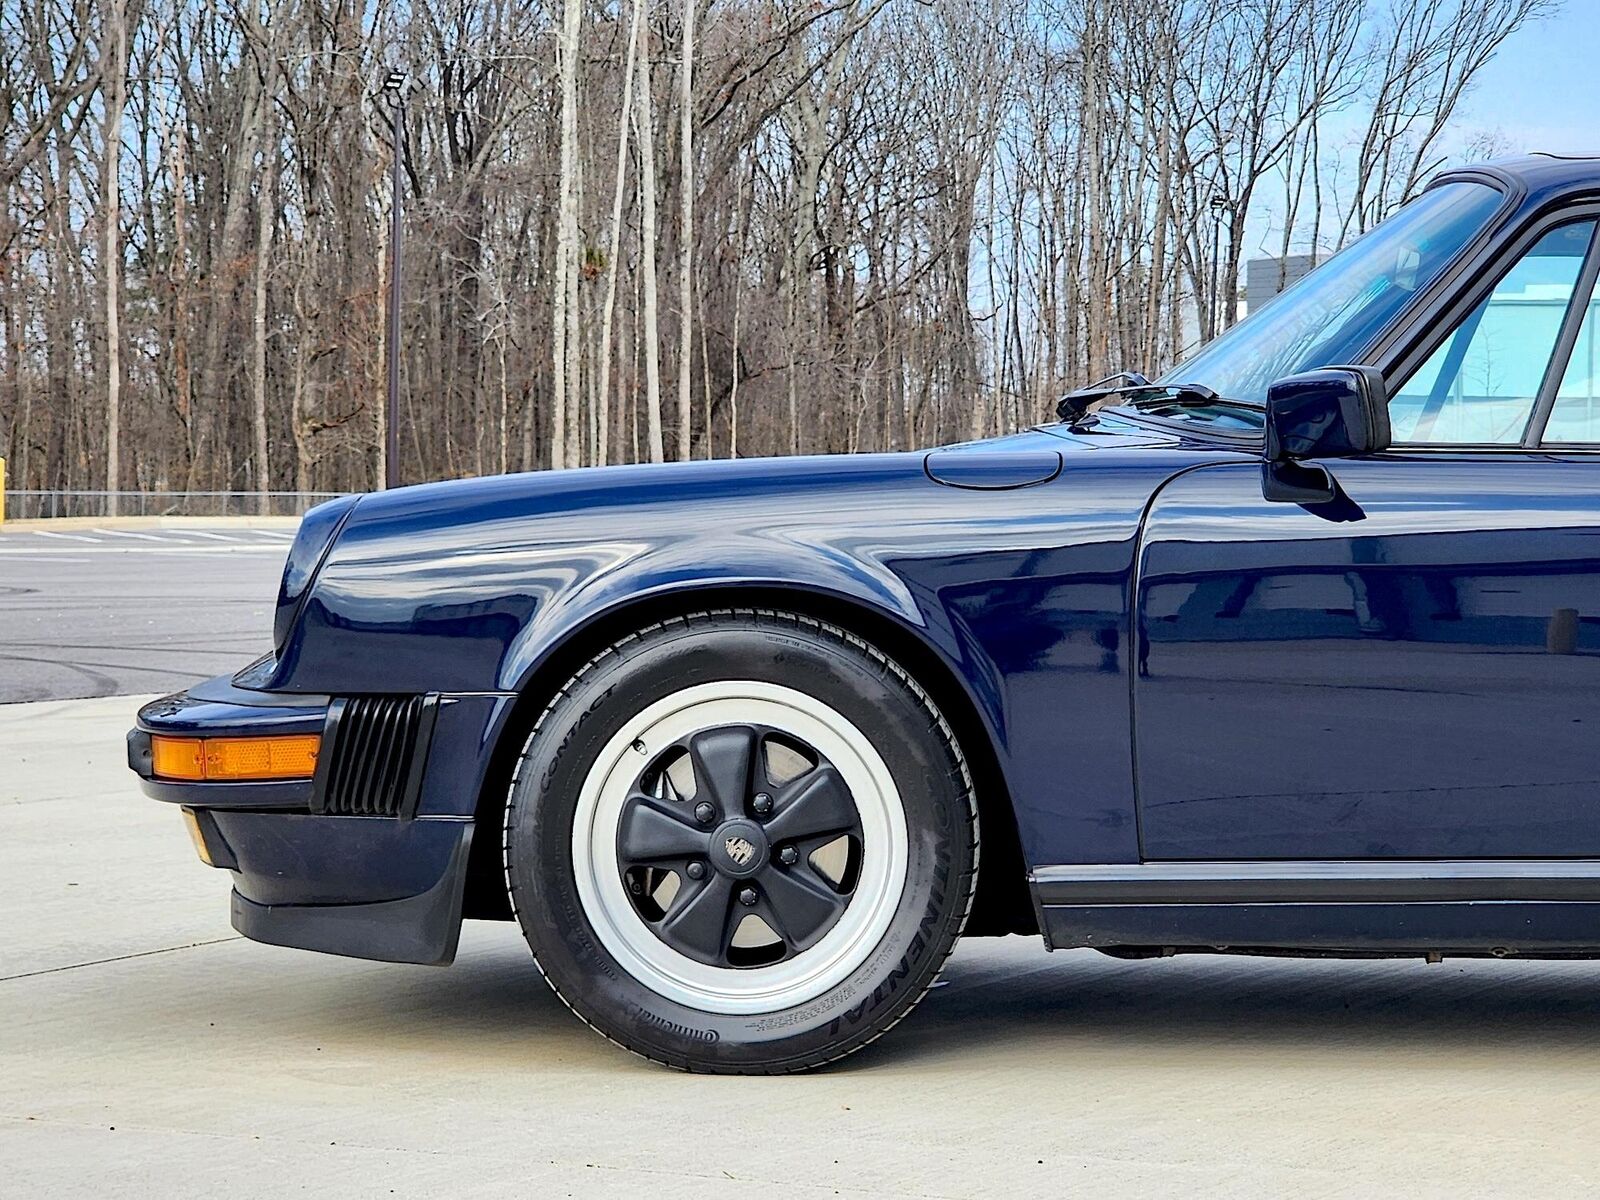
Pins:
x,y
1021,593
733,566
462,586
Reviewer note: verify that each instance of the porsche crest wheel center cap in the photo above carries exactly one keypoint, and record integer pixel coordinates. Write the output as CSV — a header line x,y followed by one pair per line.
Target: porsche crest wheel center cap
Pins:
x,y
739,848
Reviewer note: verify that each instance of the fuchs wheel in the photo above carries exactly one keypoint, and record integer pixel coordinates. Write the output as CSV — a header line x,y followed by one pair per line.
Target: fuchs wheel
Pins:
x,y
741,841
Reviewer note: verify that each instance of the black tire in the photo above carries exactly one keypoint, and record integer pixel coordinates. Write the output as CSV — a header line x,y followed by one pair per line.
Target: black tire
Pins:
x,y
841,671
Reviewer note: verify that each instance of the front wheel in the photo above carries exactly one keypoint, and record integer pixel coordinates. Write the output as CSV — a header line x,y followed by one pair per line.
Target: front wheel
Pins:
x,y
742,842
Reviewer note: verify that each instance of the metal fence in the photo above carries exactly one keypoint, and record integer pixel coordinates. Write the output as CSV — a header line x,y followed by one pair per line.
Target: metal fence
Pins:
x,y
23,504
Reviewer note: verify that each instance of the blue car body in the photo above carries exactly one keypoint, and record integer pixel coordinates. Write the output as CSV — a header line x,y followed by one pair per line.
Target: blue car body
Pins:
x,y
1198,719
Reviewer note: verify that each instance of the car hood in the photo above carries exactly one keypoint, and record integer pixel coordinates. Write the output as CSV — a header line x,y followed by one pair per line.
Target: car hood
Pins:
x,y
690,483
466,584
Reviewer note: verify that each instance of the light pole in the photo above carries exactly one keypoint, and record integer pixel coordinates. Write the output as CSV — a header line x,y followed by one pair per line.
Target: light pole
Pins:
x,y
1219,208
394,91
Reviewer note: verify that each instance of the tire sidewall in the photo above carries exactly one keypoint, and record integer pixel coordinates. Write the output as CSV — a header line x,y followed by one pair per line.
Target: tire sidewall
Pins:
x,y
841,673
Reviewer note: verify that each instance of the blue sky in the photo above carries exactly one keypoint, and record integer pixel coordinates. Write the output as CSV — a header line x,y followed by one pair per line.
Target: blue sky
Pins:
x,y
1542,91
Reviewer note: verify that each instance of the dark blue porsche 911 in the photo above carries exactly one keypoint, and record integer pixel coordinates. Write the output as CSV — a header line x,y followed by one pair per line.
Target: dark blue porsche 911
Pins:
x,y
1295,649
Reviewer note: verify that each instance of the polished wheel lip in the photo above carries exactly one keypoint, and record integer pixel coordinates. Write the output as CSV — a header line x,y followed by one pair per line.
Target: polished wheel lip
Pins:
x,y
751,990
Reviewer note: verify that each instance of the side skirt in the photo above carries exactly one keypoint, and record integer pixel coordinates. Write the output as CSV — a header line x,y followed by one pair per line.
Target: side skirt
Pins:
x,y
1499,907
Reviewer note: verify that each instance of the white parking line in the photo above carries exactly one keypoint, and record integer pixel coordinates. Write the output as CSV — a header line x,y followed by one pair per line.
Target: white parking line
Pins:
x,y
242,548
171,548
149,537
200,533
71,537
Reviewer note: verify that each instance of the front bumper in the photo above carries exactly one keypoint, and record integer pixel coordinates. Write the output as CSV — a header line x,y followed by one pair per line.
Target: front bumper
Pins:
x,y
367,887
386,887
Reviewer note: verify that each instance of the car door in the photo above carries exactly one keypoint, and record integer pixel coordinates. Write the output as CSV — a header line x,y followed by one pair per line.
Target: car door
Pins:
x,y
1415,671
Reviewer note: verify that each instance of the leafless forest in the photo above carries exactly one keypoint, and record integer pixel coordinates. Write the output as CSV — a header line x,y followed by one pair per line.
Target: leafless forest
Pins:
x,y
645,229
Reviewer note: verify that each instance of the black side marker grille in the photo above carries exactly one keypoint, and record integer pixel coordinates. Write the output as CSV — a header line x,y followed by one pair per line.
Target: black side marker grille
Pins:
x,y
373,766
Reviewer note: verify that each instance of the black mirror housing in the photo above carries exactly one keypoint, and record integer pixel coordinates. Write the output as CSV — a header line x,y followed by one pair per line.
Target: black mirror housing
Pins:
x,y
1333,412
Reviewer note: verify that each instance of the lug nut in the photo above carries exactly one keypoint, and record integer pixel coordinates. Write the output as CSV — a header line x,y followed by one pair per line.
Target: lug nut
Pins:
x,y
788,856
763,804
704,813
747,897
696,870
635,887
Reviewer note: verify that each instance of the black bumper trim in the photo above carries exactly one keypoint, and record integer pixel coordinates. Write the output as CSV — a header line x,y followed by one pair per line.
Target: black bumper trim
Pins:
x,y
1500,928
416,929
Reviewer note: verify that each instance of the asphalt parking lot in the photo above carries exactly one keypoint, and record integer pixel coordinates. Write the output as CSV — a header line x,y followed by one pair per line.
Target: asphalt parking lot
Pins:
x,y
147,1050
102,610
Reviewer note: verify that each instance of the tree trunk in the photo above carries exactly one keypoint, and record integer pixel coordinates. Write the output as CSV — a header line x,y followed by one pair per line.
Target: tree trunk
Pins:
x,y
686,237
263,471
562,372
614,250
647,255
116,85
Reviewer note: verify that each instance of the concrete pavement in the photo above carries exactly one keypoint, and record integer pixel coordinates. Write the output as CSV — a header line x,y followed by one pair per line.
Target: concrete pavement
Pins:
x,y
145,1050
101,608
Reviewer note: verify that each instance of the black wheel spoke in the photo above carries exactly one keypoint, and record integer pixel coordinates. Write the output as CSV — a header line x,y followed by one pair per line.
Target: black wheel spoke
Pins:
x,y
724,760
703,921
651,831
801,907
740,846
816,804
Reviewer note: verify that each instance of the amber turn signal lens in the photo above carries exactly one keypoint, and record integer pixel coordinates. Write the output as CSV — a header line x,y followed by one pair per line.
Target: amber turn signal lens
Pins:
x,y
177,758
262,758
234,760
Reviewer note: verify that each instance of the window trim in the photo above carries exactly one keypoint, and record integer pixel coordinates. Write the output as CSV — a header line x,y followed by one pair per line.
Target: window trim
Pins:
x,y
1417,318
1432,324
1566,342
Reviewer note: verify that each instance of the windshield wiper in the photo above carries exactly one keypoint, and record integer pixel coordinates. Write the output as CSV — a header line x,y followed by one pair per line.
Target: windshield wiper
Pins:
x,y
1076,405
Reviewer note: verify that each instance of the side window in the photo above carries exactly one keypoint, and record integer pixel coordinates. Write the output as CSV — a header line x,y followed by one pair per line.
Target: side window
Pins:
x,y
1576,416
1480,385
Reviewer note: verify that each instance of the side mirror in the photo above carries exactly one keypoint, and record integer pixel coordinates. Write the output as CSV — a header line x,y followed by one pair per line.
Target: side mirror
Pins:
x,y
1334,412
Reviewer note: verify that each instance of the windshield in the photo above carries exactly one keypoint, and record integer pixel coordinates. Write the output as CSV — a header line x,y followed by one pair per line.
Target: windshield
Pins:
x,y
1332,315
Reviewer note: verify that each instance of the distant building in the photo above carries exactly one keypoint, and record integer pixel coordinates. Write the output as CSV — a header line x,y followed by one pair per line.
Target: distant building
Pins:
x,y
1264,278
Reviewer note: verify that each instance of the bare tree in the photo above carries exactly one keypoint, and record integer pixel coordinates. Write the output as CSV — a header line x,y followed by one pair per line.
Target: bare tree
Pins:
x,y
893,222
614,250
1427,54
115,73
565,373
647,254
266,185
686,227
